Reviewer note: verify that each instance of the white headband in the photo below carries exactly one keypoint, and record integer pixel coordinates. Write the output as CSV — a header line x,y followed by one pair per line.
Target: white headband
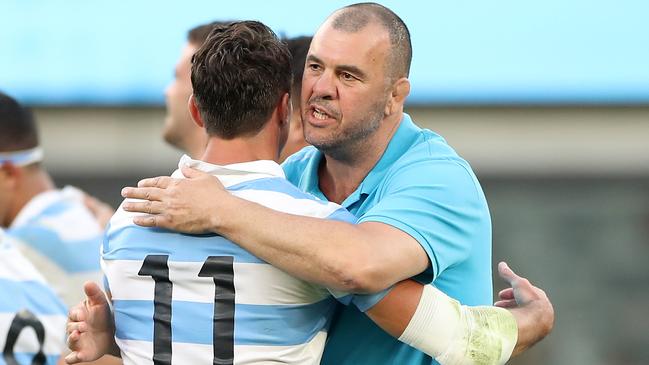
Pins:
x,y
23,157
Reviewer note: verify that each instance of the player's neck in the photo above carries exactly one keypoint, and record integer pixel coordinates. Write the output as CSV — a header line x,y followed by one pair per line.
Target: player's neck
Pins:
x,y
34,181
221,151
195,145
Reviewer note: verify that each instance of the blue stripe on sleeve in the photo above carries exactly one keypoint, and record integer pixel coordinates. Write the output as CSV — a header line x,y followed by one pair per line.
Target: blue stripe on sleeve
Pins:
x,y
341,214
135,243
270,325
34,295
365,302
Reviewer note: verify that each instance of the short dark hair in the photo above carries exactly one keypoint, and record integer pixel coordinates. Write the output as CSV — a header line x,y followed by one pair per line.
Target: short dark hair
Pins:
x,y
199,34
298,47
355,17
17,126
238,75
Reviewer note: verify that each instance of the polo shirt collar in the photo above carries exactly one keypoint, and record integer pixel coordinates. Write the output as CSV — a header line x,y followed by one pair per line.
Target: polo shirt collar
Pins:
x,y
406,134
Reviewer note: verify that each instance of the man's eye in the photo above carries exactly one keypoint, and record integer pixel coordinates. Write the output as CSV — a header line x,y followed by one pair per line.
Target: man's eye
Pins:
x,y
314,67
347,76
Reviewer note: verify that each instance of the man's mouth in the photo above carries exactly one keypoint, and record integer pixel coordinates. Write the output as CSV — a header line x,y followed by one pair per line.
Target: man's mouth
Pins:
x,y
320,114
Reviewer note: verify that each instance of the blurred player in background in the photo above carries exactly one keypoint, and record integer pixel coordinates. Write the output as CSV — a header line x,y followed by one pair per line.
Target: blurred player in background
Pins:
x,y
52,227
32,317
298,47
179,130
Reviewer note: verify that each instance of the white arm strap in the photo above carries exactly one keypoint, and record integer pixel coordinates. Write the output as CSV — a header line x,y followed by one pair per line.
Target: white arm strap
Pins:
x,y
460,335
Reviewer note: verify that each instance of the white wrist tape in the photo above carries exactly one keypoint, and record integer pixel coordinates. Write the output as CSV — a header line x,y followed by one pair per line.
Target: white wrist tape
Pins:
x,y
459,335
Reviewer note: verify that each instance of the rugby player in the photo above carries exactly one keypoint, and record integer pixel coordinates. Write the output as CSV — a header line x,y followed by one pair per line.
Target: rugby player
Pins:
x,y
52,227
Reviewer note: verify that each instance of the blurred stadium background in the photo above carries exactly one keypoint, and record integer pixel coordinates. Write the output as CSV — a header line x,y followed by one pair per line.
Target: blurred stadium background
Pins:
x,y
549,101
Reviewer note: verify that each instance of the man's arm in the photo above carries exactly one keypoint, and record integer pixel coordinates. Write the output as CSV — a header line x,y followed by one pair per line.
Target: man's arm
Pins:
x,y
367,257
404,313
436,324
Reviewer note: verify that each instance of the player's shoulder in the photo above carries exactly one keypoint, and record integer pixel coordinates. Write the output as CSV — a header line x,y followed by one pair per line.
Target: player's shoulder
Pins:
x,y
296,164
432,162
301,156
279,194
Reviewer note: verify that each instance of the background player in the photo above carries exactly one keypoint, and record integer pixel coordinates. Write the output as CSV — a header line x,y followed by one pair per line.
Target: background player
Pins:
x,y
52,227
32,317
298,47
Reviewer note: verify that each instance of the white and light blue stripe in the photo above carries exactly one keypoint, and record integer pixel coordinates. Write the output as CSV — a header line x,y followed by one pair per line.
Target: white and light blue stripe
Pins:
x,y
57,233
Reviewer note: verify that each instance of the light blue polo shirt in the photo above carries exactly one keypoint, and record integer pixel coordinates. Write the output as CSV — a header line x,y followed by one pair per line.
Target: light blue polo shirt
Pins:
x,y
422,187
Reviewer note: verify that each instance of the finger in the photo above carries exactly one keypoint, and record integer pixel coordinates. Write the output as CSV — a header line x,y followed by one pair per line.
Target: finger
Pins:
x,y
152,221
79,327
506,303
147,207
72,340
192,173
72,358
155,194
77,314
161,182
506,294
506,273
94,294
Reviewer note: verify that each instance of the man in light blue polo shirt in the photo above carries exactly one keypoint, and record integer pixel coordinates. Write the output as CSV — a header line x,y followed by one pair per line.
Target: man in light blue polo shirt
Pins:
x,y
418,180
421,210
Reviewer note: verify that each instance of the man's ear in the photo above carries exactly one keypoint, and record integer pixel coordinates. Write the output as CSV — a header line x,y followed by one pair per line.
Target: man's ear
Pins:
x,y
284,108
194,112
10,174
398,94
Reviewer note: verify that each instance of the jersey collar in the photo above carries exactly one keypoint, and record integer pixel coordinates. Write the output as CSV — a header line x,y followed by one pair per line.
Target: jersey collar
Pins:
x,y
234,173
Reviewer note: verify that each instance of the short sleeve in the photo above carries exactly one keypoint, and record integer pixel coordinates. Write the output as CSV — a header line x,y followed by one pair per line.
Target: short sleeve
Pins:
x,y
363,302
441,205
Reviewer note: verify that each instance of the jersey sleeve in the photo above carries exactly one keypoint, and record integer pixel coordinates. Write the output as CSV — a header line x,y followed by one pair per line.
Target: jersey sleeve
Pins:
x,y
441,205
363,302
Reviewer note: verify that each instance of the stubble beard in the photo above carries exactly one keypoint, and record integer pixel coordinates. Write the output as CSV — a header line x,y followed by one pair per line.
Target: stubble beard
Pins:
x,y
350,144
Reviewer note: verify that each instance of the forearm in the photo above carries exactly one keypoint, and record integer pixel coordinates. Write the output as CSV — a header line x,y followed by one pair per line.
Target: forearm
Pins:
x,y
439,326
335,254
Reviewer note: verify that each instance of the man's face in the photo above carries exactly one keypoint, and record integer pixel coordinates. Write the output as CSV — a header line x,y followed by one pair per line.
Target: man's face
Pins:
x,y
178,121
344,90
6,192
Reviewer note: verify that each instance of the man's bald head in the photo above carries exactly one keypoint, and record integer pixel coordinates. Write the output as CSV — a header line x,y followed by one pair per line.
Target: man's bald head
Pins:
x,y
356,17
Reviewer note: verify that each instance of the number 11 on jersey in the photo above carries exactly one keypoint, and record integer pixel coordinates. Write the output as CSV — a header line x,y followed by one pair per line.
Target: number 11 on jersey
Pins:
x,y
221,270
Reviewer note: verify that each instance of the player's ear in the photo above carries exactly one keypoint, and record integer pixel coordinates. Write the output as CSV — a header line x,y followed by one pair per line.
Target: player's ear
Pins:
x,y
9,174
398,94
284,108
194,112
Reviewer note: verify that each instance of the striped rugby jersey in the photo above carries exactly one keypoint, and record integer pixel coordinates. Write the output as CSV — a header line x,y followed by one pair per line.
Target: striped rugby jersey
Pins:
x,y
201,299
32,317
59,235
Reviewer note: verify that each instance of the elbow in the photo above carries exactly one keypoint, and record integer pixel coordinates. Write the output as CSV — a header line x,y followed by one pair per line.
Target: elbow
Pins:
x,y
359,277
